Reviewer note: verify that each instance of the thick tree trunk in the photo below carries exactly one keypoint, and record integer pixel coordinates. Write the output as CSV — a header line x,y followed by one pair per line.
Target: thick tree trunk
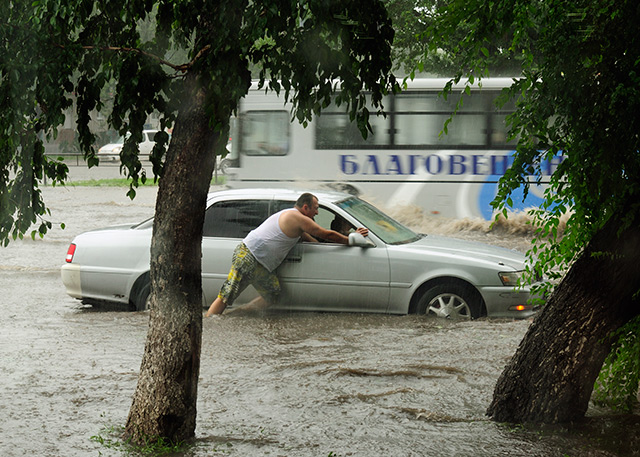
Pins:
x,y
551,377
164,404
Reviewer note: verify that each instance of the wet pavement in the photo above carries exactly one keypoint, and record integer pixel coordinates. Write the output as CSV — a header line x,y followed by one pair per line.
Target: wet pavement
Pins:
x,y
277,384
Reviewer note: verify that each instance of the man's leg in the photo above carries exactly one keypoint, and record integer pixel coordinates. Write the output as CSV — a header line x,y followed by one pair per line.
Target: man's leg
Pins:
x,y
257,302
242,265
217,307
268,286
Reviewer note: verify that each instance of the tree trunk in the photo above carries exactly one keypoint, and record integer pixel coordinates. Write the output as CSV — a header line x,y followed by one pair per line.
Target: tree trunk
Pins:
x,y
551,376
164,404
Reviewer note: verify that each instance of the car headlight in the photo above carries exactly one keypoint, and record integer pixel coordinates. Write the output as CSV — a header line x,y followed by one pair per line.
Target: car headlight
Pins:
x,y
510,278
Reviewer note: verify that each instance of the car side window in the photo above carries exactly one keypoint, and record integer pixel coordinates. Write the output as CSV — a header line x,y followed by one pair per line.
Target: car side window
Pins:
x,y
279,205
234,219
325,218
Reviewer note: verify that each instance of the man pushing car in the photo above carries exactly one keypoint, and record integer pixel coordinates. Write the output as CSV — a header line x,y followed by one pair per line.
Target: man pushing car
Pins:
x,y
256,258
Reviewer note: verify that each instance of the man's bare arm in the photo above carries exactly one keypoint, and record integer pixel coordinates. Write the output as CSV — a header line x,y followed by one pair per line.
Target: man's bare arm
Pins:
x,y
294,223
312,228
306,237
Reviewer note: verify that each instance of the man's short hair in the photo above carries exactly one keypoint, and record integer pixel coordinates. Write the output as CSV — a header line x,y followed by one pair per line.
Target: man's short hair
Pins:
x,y
305,199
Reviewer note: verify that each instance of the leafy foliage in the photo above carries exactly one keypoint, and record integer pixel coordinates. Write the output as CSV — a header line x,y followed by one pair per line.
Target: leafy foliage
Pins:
x,y
413,19
577,95
22,160
619,380
189,61
57,54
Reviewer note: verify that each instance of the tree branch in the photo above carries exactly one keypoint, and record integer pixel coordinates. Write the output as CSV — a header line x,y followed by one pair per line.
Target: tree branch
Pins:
x,y
181,68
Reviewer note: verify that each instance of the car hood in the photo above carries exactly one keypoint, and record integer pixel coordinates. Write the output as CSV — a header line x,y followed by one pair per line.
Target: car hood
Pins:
x,y
470,249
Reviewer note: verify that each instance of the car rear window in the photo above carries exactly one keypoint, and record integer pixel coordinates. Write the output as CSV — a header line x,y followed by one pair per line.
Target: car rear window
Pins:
x,y
235,218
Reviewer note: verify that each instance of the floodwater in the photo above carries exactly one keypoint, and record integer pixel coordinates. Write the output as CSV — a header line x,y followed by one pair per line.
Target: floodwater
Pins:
x,y
272,384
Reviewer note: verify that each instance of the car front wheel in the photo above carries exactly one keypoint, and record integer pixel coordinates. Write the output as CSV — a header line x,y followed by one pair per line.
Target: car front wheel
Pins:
x,y
451,301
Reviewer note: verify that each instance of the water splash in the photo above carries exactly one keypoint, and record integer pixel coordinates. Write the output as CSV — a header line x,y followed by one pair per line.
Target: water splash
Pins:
x,y
516,231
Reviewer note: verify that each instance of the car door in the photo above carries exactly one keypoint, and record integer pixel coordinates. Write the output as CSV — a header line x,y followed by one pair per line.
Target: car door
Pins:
x,y
334,277
226,224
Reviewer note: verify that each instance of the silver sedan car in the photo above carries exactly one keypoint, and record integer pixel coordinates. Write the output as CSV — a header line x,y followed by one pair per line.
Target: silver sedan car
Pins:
x,y
394,270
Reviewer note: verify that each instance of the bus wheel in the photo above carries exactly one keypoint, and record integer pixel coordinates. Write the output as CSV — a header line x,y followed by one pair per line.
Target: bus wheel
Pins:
x,y
451,301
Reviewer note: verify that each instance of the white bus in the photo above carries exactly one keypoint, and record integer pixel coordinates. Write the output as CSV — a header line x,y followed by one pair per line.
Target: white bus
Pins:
x,y
404,162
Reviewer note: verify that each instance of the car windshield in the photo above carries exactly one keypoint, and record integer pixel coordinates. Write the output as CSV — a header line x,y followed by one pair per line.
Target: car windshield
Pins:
x,y
384,227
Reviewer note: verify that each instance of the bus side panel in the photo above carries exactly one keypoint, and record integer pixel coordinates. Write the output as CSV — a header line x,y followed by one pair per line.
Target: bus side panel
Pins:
x,y
407,160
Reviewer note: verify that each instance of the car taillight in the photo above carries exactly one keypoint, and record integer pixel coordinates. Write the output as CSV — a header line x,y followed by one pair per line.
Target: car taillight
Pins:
x,y
70,252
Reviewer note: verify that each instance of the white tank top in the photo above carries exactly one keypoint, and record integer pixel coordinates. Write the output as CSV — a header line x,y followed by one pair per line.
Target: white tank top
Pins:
x,y
268,243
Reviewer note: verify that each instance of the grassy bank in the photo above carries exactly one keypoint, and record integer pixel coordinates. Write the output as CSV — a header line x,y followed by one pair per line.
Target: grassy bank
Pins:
x,y
123,182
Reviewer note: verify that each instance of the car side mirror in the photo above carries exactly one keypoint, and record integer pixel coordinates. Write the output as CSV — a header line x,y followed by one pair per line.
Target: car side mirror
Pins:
x,y
356,239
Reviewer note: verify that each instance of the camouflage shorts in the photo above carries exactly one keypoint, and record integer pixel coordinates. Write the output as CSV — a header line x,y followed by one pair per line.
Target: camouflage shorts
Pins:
x,y
245,270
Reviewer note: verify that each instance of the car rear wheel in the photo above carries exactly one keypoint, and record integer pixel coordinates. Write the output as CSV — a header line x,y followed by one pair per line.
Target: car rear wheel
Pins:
x,y
140,293
451,301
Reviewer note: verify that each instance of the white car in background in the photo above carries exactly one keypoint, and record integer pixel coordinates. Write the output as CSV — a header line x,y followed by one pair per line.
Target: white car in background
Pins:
x,y
394,270
111,151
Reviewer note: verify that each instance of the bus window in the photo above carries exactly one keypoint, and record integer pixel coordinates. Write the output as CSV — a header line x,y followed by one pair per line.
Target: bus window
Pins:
x,y
424,130
420,117
334,130
416,120
264,133
499,131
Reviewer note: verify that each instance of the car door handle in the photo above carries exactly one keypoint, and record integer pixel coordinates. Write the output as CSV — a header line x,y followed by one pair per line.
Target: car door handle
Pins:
x,y
293,259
